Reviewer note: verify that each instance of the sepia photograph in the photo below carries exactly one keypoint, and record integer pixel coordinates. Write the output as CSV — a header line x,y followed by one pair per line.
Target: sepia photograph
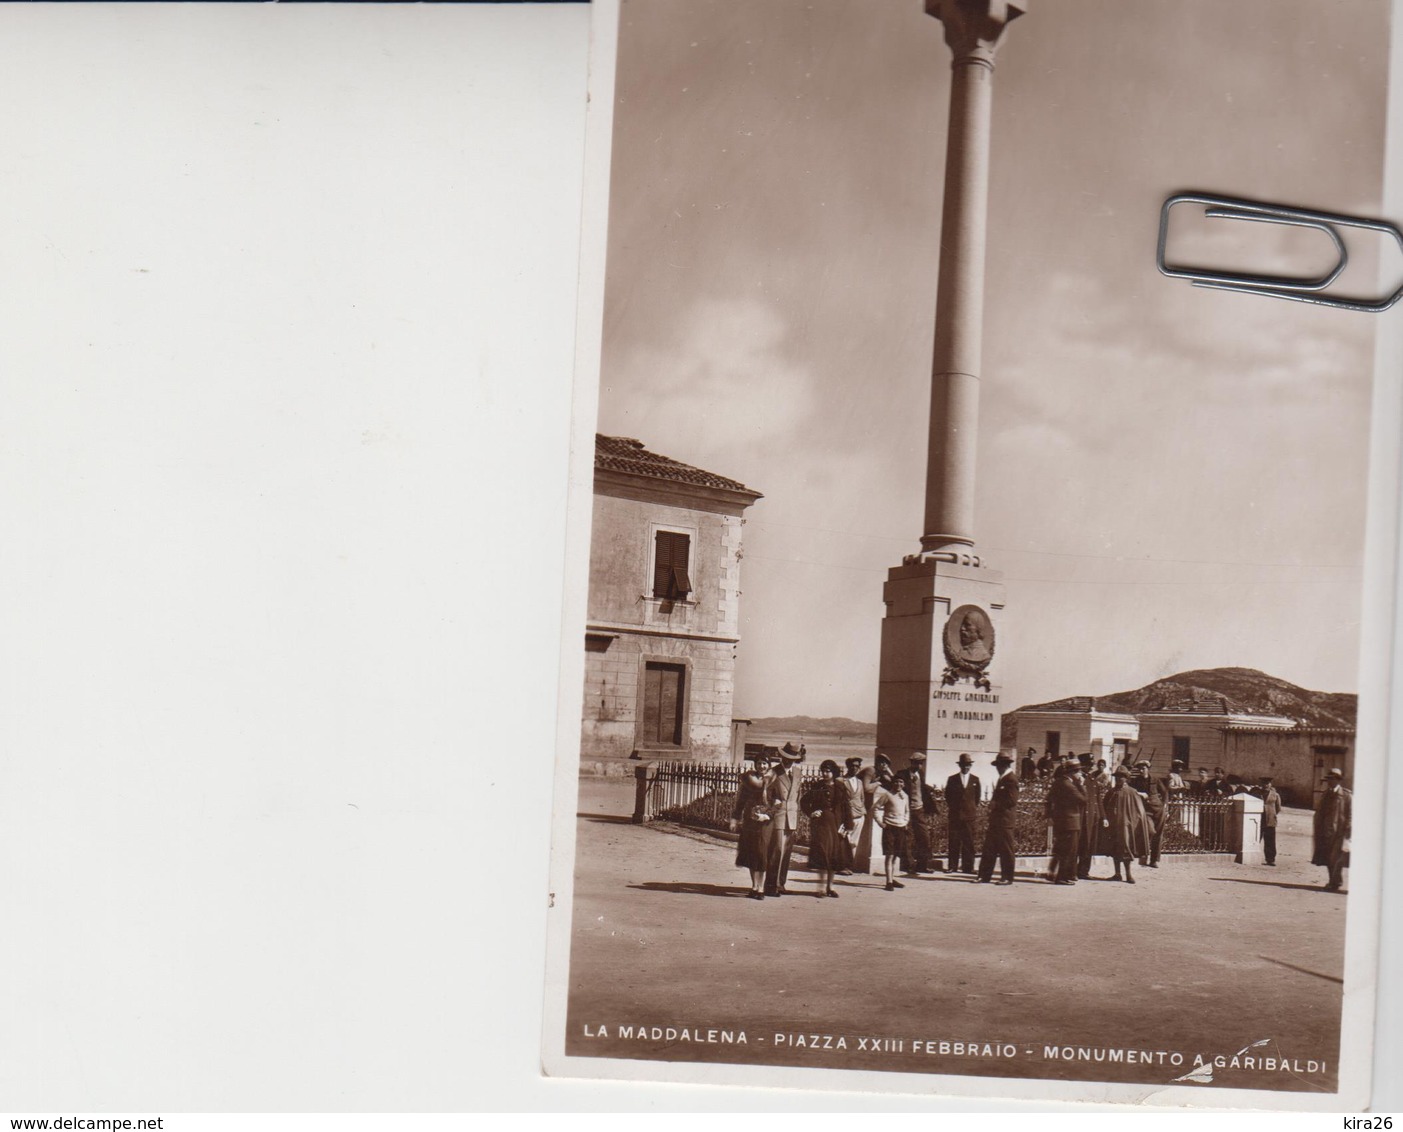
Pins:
x,y
986,495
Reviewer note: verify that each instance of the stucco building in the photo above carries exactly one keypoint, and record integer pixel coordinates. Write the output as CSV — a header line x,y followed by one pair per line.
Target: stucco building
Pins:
x,y
1076,726
1297,759
1194,733
663,618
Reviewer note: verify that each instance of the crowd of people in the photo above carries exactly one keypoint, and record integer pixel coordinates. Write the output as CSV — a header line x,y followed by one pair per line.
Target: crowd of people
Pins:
x,y
1092,812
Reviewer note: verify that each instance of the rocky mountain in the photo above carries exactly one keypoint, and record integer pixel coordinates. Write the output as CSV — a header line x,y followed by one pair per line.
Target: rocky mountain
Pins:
x,y
1238,689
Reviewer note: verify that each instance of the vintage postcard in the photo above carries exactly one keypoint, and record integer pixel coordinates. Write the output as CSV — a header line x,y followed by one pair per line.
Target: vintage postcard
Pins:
x,y
976,658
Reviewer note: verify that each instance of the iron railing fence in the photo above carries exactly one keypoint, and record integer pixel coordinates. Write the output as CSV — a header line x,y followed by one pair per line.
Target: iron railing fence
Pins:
x,y
1199,825
704,795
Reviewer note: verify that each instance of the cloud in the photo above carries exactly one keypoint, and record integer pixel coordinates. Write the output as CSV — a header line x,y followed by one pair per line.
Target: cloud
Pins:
x,y
721,377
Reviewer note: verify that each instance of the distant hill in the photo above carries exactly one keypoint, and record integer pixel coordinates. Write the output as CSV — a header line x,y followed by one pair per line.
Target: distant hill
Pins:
x,y
808,725
1238,689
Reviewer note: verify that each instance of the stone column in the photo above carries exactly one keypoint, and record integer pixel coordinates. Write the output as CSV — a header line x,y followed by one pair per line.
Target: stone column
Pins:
x,y
972,30
937,692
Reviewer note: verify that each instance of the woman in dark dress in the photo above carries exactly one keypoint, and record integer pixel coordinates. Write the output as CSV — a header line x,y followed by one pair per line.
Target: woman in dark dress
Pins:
x,y
754,815
826,803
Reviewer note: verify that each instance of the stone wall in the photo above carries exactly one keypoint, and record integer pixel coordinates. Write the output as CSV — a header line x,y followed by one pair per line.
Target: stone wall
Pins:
x,y
1206,734
621,567
613,679
1288,756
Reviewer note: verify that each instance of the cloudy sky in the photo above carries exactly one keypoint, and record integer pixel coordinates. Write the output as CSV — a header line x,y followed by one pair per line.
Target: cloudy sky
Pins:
x,y
1168,477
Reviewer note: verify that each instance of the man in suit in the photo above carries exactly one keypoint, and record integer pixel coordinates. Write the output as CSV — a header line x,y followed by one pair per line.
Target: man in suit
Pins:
x,y
1332,829
961,806
1271,809
1067,803
788,783
1003,813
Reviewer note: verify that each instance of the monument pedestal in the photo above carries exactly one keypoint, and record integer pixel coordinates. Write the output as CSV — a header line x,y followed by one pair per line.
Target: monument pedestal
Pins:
x,y
939,691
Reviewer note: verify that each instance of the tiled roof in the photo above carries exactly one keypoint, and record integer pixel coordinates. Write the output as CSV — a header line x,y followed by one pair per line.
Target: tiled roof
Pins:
x,y
1199,705
1300,729
1078,704
624,454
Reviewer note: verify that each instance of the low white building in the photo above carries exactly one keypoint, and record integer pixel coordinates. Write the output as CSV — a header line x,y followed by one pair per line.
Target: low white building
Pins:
x,y
1077,726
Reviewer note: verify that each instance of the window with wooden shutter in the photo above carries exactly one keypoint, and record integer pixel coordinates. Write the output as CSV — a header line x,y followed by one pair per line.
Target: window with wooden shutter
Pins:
x,y
671,581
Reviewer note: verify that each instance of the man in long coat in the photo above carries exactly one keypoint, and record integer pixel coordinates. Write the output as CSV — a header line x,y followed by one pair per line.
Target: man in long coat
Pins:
x,y
1332,829
961,806
1067,803
1127,826
1154,793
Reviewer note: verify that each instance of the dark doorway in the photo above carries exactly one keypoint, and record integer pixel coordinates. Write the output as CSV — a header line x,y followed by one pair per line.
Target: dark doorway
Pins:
x,y
662,704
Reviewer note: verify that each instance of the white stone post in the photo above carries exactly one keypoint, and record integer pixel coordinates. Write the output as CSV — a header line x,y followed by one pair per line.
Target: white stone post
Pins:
x,y
1245,829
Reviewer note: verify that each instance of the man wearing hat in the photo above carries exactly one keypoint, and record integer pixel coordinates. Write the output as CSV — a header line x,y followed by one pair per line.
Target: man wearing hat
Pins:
x,y
1067,803
1093,823
1271,807
1332,829
922,815
1127,827
1003,812
961,806
1155,795
788,782
1028,768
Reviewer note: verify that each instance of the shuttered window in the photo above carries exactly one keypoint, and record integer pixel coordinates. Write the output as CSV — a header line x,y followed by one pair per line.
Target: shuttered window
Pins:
x,y
671,552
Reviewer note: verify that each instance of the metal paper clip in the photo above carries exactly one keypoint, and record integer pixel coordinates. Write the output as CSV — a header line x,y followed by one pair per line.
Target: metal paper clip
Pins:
x,y
1302,290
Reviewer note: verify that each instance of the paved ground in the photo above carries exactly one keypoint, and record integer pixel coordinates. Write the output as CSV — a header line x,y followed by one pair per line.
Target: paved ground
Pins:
x,y
1201,957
